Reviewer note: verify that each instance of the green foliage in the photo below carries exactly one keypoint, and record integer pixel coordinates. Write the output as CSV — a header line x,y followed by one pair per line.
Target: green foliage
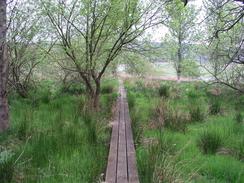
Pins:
x,y
137,127
107,89
6,166
239,117
158,162
58,137
180,156
241,150
197,106
197,113
215,106
190,69
74,89
177,120
181,23
209,142
131,100
164,91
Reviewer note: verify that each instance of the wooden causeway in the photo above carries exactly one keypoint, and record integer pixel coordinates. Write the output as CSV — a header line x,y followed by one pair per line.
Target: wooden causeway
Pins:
x,y
121,166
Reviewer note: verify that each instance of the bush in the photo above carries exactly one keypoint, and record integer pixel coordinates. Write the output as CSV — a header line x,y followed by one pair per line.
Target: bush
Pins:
x,y
164,91
209,142
6,166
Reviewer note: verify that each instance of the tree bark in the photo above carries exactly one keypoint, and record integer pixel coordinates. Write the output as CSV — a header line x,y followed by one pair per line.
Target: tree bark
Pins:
x,y
4,117
179,68
97,95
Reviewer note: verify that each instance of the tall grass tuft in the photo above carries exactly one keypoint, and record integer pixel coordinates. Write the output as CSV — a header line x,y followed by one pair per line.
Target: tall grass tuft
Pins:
x,y
6,166
209,142
196,112
173,118
238,117
197,106
91,128
164,91
159,163
215,106
137,127
131,100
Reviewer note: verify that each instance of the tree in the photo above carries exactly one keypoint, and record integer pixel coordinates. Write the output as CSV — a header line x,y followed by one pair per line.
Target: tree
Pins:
x,y
181,21
93,33
4,118
226,43
23,46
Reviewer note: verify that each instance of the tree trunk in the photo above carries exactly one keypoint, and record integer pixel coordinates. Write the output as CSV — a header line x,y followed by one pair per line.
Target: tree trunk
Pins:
x,y
97,95
4,118
179,65
179,57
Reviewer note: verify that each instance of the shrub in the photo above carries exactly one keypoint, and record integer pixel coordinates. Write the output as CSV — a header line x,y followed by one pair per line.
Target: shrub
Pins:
x,y
6,166
209,142
164,91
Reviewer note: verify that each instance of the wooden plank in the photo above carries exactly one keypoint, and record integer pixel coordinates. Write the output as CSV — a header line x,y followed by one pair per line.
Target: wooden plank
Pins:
x,y
111,172
122,176
131,154
121,166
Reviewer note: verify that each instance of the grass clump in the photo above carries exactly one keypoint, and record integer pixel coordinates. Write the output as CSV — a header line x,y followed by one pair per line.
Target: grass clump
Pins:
x,y
177,120
209,142
173,118
6,166
215,106
238,117
197,113
164,91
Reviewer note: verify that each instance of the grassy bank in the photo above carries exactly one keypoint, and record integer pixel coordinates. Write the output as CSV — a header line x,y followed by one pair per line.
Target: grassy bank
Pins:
x,y
186,132
53,138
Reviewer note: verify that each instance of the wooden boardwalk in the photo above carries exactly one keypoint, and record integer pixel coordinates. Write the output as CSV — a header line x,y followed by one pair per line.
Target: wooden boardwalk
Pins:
x,y
121,166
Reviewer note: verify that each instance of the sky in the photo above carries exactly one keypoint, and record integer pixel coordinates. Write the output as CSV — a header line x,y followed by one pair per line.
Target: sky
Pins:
x,y
157,33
